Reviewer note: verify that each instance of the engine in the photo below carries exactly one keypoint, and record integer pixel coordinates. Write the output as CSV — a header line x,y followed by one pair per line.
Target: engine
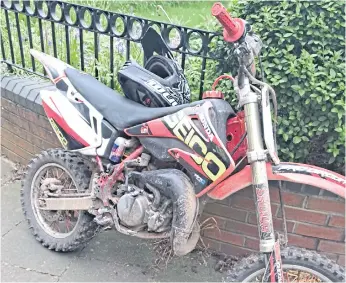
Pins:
x,y
145,208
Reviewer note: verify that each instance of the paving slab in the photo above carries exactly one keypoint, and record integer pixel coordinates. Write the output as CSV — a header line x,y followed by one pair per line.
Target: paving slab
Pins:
x,y
109,257
92,270
19,247
114,247
6,168
10,273
11,212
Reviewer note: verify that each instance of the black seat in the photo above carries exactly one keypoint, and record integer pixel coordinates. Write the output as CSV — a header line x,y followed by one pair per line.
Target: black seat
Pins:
x,y
118,110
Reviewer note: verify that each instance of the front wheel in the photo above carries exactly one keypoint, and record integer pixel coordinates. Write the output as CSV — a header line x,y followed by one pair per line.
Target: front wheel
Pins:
x,y
299,265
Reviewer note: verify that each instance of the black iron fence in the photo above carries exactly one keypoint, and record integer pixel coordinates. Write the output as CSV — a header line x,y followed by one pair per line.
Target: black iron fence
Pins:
x,y
79,34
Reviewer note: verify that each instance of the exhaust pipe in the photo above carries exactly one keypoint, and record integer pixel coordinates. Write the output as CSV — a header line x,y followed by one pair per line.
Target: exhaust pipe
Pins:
x,y
175,184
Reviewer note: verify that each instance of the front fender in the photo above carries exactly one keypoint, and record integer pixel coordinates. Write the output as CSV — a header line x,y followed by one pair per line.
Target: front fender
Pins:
x,y
285,171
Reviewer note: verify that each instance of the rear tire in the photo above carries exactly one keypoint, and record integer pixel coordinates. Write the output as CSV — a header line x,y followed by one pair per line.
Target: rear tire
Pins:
x,y
80,173
311,262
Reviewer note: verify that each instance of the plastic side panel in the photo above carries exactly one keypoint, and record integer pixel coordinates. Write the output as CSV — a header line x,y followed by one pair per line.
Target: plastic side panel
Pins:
x,y
64,116
291,172
235,130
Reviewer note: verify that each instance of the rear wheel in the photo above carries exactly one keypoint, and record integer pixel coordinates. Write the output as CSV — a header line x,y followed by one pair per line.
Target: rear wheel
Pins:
x,y
54,173
299,265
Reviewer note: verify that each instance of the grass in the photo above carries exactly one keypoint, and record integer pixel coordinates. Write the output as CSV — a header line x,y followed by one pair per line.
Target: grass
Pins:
x,y
187,13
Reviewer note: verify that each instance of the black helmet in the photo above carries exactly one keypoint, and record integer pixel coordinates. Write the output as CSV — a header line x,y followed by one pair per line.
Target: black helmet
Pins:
x,y
175,81
161,82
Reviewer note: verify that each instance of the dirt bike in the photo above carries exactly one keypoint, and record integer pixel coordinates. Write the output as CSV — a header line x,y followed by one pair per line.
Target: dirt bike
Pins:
x,y
148,172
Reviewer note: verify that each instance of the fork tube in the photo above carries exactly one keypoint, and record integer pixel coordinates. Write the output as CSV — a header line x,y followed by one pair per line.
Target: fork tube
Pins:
x,y
256,156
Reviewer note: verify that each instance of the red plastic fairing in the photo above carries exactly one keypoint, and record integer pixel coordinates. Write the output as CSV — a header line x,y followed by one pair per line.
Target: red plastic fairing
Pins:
x,y
285,171
234,131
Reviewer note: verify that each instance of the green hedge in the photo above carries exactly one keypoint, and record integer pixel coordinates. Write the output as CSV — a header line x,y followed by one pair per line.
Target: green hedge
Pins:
x,y
303,59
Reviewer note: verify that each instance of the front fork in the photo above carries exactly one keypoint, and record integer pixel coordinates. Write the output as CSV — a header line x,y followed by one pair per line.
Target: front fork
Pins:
x,y
257,158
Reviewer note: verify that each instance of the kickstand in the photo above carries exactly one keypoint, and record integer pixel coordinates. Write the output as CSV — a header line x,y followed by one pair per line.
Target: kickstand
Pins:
x,y
283,238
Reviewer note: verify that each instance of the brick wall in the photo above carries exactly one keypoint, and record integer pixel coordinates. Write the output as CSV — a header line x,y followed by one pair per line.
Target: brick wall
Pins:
x,y
25,130
316,218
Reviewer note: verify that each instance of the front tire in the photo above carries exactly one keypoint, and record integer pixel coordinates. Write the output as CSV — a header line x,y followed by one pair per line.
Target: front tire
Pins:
x,y
74,168
295,260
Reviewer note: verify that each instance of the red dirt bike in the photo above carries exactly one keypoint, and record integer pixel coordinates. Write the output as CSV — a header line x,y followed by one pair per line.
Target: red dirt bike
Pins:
x,y
148,172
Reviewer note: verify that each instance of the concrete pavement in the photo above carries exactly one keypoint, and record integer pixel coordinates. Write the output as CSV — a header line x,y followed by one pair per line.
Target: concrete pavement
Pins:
x,y
108,257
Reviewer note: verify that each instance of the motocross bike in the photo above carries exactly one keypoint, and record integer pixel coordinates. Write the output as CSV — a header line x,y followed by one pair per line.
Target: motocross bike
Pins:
x,y
148,172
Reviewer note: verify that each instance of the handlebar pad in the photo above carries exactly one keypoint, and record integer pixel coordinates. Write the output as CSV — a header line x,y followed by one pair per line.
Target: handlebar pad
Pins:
x,y
233,27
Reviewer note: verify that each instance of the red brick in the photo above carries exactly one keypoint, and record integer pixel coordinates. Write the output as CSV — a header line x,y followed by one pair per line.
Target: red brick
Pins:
x,y
234,250
289,198
274,208
15,119
16,149
43,122
324,204
223,202
44,134
35,140
337,221
31,116
242,228
225,211
330,256
30,136
277,222
278,225
6,124
18,141
210,244
318,231
331,247
341,260
303,215
303,242
252,219
11,107
21,111
46,145
220,222
247,192
12,156
4,103
224,236
252,243
243,202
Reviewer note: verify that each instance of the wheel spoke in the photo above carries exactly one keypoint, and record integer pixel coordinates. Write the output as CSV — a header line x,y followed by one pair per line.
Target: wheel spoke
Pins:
x,y
62,174
67,224
69,187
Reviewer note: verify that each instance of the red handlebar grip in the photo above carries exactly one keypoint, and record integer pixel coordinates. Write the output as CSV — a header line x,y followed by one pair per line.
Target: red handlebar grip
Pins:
x,y
233,28
220,12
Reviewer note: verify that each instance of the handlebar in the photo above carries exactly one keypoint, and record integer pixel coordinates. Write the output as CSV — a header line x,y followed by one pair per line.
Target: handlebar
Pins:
x,y
233,27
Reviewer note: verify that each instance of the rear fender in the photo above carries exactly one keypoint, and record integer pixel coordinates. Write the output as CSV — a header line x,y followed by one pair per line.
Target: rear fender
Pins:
x,y
285,171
